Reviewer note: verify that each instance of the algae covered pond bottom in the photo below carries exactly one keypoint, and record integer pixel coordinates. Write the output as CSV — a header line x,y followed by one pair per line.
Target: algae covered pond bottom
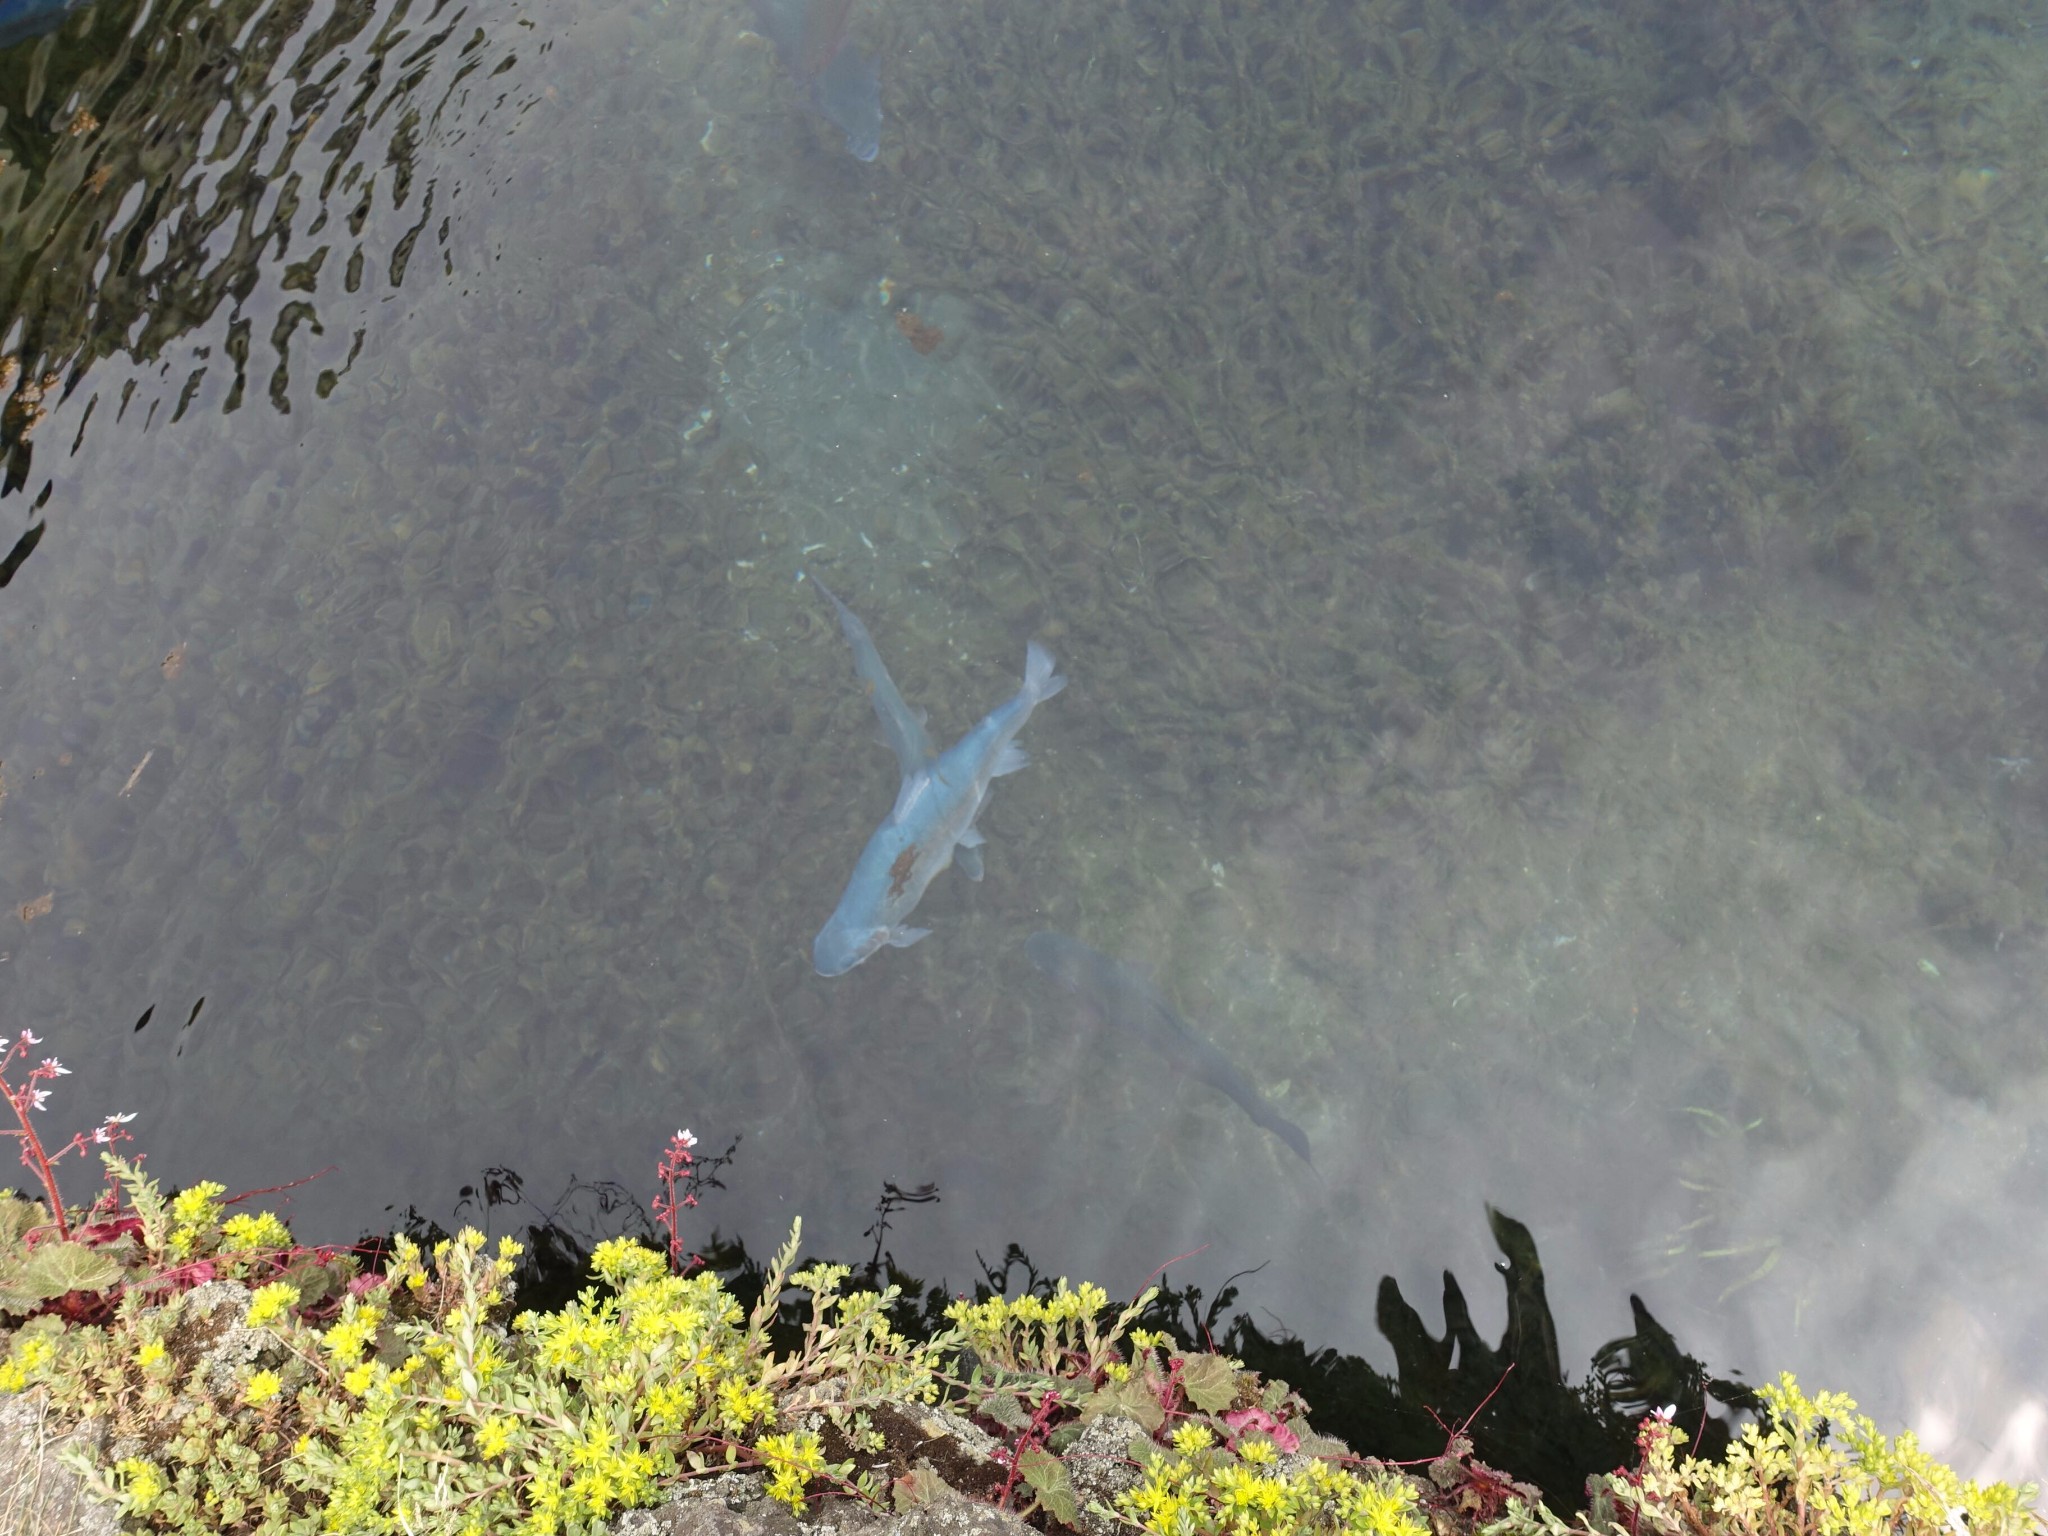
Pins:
x,y
1539,505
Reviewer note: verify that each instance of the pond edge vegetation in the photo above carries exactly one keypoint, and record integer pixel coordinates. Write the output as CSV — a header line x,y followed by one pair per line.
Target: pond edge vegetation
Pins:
x,y
241,1381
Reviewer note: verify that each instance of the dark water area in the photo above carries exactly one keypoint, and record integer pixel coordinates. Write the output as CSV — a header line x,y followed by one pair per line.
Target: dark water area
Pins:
x,y
1540,505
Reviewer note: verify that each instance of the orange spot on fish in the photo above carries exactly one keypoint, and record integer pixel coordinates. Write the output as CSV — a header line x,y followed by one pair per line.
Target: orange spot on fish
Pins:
x,y
899,872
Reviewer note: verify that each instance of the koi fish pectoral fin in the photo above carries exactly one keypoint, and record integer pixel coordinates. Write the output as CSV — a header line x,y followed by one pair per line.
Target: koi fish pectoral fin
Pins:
x,y
1009,760
903,938
967,857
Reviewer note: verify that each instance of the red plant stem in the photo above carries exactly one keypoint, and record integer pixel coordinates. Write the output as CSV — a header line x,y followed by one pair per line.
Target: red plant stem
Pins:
x,y
1034,1433
1504,1375
33,1143
275,1189
1175,1260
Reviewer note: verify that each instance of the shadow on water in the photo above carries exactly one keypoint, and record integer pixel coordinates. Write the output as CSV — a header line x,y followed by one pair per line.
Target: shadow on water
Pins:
x,y
1511,1398
254,160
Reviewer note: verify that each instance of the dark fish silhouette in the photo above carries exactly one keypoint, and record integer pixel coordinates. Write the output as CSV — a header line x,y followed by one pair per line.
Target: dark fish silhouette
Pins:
x,y
1128,1000
843,84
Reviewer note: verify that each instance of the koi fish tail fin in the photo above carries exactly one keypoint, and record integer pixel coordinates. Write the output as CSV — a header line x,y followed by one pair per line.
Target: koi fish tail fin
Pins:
x,y
1040,681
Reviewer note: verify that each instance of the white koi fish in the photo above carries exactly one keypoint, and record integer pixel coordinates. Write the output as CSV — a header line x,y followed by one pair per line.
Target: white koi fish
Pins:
x,y
933,819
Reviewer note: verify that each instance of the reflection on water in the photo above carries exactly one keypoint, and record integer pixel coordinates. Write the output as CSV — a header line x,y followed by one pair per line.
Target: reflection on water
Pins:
x,y
1539,504
1514,1399
160,205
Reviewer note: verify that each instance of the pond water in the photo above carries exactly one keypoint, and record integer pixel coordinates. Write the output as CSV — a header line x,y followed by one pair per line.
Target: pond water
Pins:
x,y
1540,503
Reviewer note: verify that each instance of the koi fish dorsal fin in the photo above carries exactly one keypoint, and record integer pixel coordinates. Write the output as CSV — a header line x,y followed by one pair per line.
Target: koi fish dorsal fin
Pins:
x,y
915,787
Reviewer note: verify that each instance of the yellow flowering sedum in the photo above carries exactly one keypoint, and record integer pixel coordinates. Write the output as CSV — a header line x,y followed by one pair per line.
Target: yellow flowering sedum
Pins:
x,y
30,1356
261,1387
567,1418
792,1461
195,1215
140,1482
1201,1492
1046,1334
246,1232
1816,1467
270,1302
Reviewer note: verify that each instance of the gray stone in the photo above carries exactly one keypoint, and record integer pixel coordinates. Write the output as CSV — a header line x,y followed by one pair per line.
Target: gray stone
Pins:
x,y
1100,1466
238,1348
39,1495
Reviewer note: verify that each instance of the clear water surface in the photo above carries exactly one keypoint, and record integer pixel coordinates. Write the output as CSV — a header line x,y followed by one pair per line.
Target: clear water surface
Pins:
x,y
1541,503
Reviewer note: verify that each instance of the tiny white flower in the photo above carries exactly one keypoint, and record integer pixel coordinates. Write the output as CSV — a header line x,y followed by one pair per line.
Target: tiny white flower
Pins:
x,y
685,1137
121,1119
41,1098
55,1067
29,1039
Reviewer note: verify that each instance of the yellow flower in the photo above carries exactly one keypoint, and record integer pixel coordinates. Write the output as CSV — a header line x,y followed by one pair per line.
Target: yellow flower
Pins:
x,y
30,1356
243,1233
262,1387
1258,1452
793,1459
150,1353
1190,1438
197,1205
740,1404
347,1338
493,1436
141,1482
619,1261
668,1404
358,1380
271,1301
592,1448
